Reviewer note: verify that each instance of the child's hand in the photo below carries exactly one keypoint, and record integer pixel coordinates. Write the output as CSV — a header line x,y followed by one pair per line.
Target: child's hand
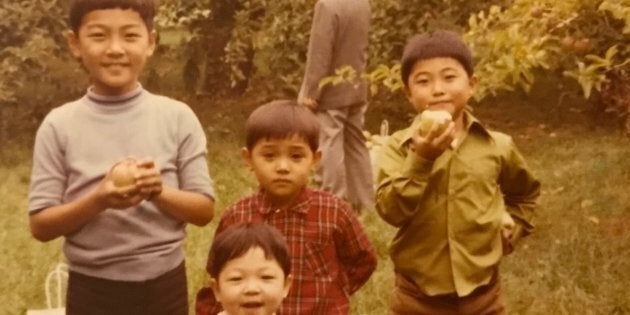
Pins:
x,y
310,103
118,190
148,179
506,241
434,144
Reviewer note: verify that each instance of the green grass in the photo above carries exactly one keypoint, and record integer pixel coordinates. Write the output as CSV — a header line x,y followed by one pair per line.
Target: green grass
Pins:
x,y
576,262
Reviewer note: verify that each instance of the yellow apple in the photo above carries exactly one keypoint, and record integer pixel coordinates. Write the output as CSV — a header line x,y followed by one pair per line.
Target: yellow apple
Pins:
x,y
123,174
428,118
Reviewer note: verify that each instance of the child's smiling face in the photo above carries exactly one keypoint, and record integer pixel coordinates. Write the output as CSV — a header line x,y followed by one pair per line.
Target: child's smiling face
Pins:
x,y
440,83
113,45
251,284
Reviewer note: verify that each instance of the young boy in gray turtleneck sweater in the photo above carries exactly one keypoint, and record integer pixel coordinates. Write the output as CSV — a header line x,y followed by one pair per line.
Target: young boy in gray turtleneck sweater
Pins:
x,y
122,242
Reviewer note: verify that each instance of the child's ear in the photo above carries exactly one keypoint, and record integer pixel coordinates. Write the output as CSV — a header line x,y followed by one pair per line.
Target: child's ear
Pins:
x,y
247,157
73,43
288,282
153,38
407,92
214,285
473,81
317,157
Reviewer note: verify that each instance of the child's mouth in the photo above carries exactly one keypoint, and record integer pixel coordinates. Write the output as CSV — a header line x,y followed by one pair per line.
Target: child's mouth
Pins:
x,y
252,305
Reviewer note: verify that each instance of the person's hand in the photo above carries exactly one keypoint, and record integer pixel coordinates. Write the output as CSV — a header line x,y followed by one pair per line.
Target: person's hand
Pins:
x,y
148,179
310,103
118,196
433,144
506,241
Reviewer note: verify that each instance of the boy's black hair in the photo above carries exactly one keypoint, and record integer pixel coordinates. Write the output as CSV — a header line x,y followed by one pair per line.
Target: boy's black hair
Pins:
x,y
279,120
439,43
237,240
80,8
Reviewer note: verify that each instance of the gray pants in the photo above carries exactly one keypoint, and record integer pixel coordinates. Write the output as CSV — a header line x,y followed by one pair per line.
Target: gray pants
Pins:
x,y
345,169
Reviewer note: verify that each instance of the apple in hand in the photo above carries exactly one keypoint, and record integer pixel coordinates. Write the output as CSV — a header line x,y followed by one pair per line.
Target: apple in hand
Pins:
x,y
124,172
428,118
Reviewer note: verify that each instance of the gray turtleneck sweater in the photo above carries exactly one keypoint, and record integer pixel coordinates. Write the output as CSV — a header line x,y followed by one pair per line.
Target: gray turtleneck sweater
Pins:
x,y
77,144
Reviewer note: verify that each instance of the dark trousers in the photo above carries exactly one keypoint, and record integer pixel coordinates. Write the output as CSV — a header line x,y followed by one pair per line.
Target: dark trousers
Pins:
x,y
408,300
164,295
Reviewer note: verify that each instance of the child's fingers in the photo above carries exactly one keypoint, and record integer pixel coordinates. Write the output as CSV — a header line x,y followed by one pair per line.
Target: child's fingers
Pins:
x,y
506,241
446,136
146,163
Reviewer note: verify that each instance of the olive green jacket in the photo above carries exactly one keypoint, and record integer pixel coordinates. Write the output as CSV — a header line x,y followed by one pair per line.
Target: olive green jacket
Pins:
x,y
448,211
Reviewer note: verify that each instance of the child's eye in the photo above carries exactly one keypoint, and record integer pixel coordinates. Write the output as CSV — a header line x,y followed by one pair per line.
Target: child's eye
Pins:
x,y
268,277
96,35
422,81
297,156
234,279
268,156
132,36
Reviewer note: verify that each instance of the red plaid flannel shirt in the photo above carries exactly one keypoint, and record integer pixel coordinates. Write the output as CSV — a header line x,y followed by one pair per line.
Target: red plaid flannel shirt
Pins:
x,y
331,255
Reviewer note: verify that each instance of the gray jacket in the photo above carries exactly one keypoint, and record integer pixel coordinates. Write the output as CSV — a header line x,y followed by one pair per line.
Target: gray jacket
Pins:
x,y
339,37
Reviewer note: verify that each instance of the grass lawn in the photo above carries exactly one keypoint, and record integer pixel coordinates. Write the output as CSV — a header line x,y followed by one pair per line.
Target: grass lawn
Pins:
x,y
576,262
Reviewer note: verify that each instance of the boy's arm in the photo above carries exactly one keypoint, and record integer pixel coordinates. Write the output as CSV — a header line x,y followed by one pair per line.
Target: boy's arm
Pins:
x,y
190,207
520,191
320,51
52,222
354,250
49,217
402,177
192,201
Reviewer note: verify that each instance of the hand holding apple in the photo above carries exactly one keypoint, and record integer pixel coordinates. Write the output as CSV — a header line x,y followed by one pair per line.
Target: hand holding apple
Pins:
x,y
431,118
119,189
124,173
148,178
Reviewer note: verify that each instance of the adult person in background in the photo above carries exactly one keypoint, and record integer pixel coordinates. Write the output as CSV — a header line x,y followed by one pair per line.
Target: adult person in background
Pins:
x,y
339,38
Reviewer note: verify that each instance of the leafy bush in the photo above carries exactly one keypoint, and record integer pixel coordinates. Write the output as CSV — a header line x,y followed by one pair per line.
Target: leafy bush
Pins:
x,y
586,40
31,62
269,39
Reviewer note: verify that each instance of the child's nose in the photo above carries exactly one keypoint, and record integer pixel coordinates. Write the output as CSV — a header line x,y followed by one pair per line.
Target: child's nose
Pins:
x,y
282,165
438,87
252,287
115,46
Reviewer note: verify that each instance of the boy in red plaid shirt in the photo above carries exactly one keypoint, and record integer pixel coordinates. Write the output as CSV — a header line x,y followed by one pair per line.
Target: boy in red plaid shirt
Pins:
x,y
331,257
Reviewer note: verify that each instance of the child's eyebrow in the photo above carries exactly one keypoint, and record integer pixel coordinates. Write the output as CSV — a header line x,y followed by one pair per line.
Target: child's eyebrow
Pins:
x,y
104,26
448,69
299,147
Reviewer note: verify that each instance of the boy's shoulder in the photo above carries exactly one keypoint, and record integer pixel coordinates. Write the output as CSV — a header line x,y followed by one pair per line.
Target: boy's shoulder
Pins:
x,y
310,201
325,201
497,138
65,110
166,101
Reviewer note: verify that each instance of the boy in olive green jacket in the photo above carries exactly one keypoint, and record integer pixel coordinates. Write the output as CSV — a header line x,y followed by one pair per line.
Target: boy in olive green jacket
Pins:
x,y
449,191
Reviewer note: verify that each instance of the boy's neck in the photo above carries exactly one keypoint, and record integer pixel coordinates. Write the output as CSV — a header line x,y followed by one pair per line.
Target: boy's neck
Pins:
x,y
100,98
